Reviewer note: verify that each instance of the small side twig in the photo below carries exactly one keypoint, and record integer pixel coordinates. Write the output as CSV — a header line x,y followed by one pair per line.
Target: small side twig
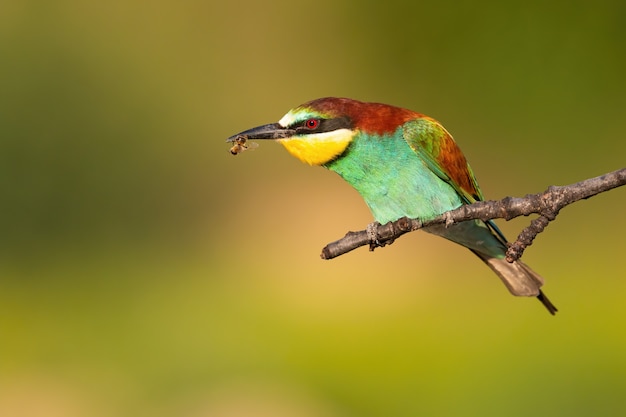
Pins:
x,y
547,205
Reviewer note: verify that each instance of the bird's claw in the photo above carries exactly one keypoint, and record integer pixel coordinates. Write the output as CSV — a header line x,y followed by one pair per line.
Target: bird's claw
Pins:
x,y
372,235
448,218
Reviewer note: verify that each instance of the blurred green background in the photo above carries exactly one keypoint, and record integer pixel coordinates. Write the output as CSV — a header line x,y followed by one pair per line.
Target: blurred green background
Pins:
x,y
144,271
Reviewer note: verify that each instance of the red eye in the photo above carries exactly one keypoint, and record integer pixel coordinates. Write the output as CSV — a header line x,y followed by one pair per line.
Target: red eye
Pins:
x,y
311,123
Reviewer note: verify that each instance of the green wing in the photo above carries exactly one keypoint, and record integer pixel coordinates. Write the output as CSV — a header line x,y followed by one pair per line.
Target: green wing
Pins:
x,y
436,147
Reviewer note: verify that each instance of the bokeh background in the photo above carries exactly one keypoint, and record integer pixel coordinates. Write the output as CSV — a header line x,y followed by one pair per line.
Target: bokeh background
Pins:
x,y
144,271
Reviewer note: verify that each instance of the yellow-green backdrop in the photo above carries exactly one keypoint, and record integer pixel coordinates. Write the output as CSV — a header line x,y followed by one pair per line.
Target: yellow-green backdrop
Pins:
x,y
144,271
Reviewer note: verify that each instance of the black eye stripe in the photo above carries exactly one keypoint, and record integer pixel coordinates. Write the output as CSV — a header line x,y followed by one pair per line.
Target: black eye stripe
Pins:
x,y
324,125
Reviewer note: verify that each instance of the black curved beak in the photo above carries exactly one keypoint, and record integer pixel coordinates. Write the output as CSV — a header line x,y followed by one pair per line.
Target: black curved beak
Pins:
x,y
271,131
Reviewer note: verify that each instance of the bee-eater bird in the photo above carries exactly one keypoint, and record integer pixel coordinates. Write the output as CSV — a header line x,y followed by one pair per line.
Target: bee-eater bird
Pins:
x,y
403,164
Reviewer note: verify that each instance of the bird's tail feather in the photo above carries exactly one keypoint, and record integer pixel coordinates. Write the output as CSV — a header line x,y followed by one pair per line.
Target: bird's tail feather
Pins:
x,y
518,278
491,248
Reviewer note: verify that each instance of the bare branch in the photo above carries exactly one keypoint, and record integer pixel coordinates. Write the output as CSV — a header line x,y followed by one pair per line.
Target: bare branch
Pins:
x,y
547,205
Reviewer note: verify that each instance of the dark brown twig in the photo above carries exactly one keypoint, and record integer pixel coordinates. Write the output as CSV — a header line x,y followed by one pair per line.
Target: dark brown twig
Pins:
x,y
547,205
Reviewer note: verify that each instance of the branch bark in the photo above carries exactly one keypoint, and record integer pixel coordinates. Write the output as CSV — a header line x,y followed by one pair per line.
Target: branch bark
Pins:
x,y
547,205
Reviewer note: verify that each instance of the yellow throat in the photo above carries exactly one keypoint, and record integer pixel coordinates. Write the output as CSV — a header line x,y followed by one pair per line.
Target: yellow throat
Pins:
x,y
318,148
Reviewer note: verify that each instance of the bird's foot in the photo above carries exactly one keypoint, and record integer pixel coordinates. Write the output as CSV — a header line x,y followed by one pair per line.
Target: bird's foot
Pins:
x,y
448,219
372,235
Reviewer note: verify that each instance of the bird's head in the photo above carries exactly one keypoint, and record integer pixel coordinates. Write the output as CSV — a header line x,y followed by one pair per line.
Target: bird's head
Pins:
x,y
319,131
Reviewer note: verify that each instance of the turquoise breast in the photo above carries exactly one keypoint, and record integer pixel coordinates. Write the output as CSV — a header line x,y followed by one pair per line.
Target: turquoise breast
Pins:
x,y
392,179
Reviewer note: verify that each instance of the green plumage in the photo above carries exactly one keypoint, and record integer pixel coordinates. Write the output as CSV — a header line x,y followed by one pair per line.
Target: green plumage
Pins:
x,y
395,181
417,171
403,164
